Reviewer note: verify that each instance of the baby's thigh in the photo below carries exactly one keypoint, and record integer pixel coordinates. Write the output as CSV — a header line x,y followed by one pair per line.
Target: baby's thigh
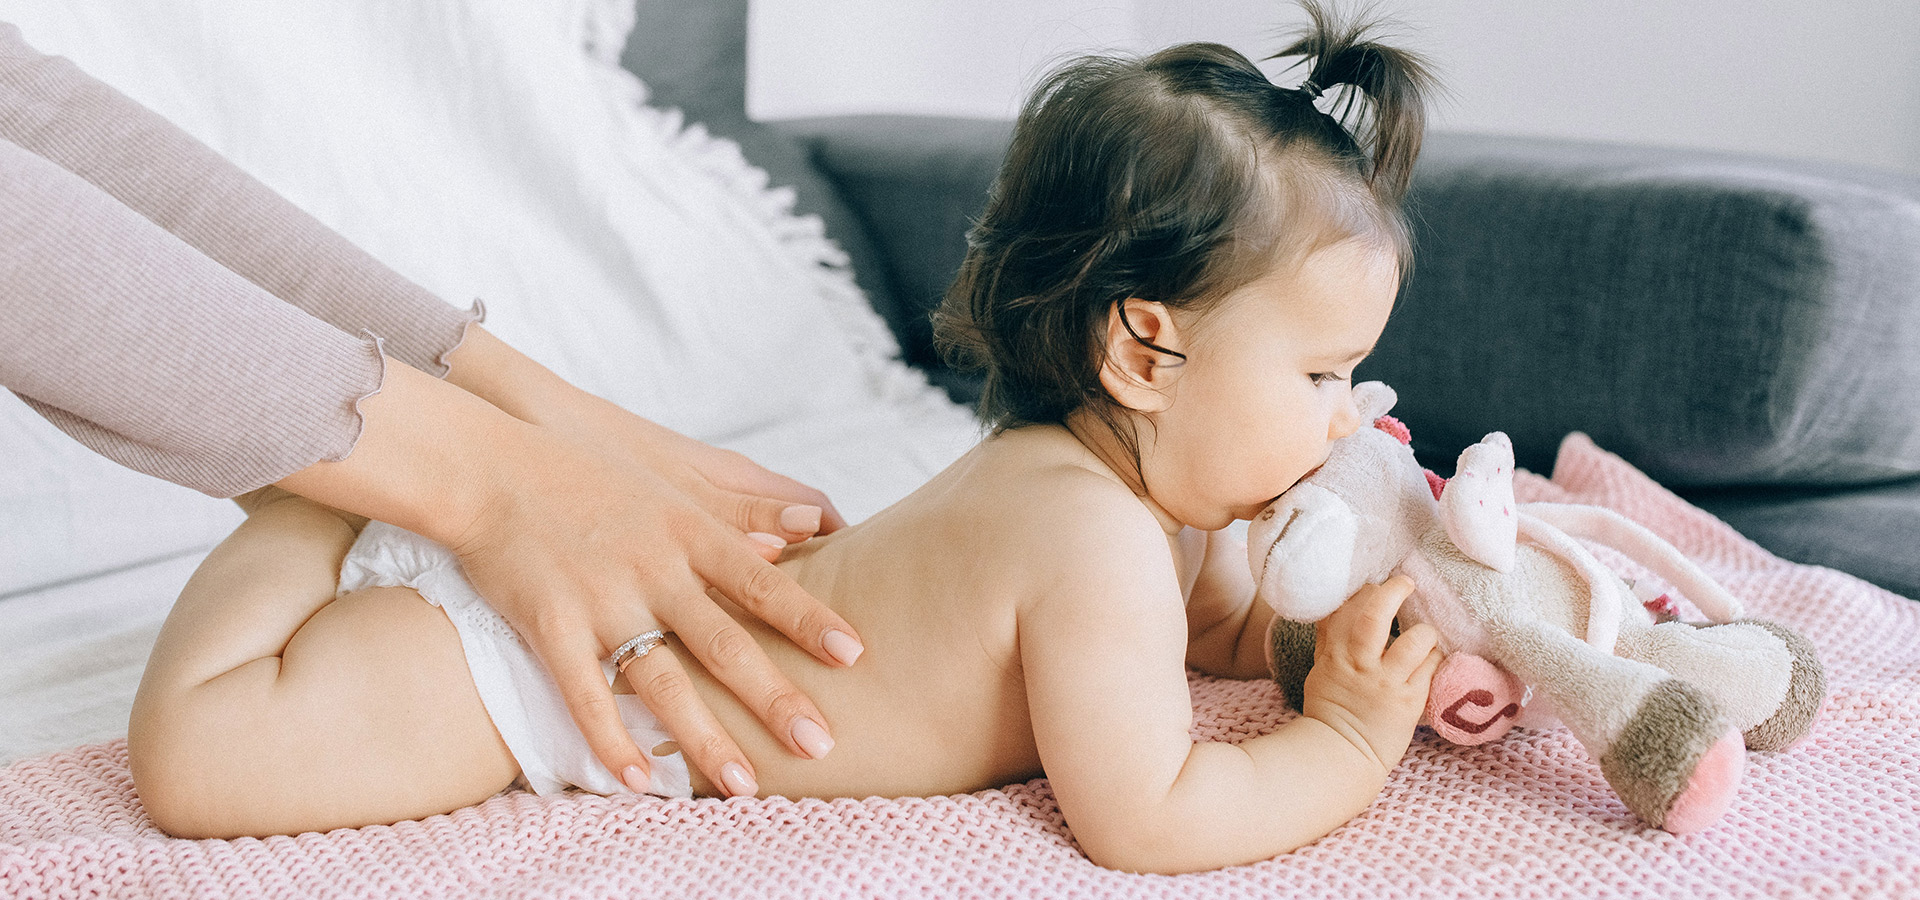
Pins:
x,y
387,665
368,716
380,682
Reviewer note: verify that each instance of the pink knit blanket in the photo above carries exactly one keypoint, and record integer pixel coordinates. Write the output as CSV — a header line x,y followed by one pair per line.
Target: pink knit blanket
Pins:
x,y
1527,816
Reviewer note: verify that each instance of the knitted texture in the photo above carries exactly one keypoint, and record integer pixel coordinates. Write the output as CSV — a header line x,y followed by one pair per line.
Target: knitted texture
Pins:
x,y
1525,816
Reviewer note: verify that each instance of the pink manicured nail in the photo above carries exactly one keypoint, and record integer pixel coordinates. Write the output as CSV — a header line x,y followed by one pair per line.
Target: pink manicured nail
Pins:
x,y
737,781
772,540
800,519
636,779
812,738
841,646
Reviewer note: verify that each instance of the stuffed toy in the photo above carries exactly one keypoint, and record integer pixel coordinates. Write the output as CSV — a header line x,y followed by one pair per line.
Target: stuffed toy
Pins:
x,y
1533,628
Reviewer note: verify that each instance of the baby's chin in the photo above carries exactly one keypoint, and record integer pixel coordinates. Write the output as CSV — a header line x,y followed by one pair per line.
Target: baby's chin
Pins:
x,y
1248,513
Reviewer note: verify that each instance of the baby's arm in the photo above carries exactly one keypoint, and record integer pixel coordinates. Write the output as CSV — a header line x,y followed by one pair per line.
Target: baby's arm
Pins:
x,y
1226,629
1107,690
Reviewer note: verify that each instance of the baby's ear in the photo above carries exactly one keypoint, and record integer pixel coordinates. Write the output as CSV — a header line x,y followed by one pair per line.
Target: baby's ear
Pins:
x,y
1145,351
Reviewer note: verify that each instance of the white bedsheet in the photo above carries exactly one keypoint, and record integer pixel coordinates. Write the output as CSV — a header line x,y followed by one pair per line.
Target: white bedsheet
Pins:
x,y
71,654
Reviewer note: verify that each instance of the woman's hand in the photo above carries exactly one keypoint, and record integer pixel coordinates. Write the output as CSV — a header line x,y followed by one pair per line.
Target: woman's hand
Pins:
x,y
591,530
582,549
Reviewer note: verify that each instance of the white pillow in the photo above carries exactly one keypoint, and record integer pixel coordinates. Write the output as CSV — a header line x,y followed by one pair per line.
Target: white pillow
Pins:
x,y
478,150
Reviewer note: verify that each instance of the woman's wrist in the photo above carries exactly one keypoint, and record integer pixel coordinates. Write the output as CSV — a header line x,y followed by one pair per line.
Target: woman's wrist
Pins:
x,y
424,460
489,368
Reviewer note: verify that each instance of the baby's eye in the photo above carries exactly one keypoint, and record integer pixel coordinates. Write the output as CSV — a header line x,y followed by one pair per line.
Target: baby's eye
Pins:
x,y
1320,378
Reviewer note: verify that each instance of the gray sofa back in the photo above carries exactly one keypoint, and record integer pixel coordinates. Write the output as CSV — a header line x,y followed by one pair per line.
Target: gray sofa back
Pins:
x,y
1717,320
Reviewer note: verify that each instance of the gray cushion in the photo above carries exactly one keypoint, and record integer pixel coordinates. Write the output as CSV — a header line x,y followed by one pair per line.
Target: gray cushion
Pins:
x,y
1872,532
1713,319
919,182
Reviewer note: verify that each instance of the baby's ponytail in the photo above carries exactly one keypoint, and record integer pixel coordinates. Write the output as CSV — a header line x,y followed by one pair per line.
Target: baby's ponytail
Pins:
x,y
1394,81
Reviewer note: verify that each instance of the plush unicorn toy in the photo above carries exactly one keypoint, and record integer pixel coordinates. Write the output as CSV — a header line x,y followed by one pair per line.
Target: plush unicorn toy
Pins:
x,y
1533,627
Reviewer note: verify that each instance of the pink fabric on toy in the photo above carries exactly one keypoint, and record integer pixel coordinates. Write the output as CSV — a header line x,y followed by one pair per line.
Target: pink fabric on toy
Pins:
x,y
1525,816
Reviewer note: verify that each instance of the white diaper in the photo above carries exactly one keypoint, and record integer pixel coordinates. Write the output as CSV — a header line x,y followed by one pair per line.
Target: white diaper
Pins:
x,y
519,694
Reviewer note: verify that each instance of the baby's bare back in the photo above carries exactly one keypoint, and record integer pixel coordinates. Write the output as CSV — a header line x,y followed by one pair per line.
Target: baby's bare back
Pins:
x,y
937,704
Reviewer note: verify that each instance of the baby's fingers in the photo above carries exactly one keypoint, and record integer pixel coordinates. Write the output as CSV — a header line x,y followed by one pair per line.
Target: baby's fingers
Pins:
x,y
1428,666
1411,649
1359,628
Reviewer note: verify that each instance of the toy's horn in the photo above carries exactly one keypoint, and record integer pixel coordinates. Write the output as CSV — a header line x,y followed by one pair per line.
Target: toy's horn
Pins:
x,y
1373,398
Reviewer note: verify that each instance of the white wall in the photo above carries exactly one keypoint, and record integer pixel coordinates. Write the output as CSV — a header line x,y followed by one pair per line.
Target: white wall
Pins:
x,y
1835,80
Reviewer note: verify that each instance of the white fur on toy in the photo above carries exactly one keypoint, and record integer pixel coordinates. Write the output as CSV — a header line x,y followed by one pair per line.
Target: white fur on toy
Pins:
x,y
1535,628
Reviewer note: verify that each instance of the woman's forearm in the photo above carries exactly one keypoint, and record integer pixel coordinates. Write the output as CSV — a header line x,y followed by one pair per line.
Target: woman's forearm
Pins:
x,y
52,109
155,356
427,454
489,368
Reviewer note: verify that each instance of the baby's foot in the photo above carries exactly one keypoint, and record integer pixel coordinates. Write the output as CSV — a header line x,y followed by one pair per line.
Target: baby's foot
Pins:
x,y
260,498
1472,701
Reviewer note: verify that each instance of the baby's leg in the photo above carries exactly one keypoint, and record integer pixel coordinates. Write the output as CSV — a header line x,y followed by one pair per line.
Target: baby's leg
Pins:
x,y
270,707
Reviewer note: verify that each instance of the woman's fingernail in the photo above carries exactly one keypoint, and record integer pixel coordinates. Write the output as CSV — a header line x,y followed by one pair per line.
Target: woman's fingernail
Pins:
x,y
636,779
772,540
812,738
737,781
800,519
841,646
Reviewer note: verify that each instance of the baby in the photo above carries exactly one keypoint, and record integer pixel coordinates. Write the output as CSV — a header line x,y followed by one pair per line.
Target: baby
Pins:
x,y
1177,273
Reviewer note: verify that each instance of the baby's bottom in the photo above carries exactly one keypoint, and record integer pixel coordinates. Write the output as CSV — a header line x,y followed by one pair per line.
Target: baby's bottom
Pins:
x,y
521,698
269,706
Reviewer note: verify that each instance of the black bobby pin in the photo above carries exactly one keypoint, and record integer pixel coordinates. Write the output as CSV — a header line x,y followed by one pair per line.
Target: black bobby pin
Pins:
x,y
1128,322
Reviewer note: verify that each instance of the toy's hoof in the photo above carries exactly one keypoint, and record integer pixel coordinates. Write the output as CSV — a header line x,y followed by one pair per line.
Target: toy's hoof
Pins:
x,y
1290,658
1678,763
1806,694
1710,791
1472,701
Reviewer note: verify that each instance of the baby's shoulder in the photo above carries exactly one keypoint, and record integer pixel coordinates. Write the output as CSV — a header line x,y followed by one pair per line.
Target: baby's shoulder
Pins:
x,y
1047,482
1075,526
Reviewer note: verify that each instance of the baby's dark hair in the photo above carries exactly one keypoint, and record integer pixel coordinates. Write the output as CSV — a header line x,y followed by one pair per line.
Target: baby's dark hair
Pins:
x,y
1175,178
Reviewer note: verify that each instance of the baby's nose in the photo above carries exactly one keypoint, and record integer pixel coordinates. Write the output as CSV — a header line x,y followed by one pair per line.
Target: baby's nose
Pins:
x,y
1346,419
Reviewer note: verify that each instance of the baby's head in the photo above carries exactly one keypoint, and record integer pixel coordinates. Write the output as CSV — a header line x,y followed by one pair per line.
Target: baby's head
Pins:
x,y
1171,239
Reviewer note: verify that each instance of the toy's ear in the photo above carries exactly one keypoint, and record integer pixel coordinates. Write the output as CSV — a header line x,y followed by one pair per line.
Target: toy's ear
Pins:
x,y
1634,540
1373,399
1477,505
1302,548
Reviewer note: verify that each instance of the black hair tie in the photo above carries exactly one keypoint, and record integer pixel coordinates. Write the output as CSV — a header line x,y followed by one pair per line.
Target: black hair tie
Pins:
x,y
1309,88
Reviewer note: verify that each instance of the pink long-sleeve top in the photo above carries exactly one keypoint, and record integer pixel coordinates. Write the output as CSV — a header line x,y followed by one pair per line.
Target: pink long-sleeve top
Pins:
x,y
171,312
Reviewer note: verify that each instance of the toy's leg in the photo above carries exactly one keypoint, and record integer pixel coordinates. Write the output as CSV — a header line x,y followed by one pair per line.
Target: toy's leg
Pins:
x,y
1766,678
1663,745
1806,693
1289,657
1472,701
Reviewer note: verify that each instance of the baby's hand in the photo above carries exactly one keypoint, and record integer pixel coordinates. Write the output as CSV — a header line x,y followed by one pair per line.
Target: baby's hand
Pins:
x,y
1370,692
